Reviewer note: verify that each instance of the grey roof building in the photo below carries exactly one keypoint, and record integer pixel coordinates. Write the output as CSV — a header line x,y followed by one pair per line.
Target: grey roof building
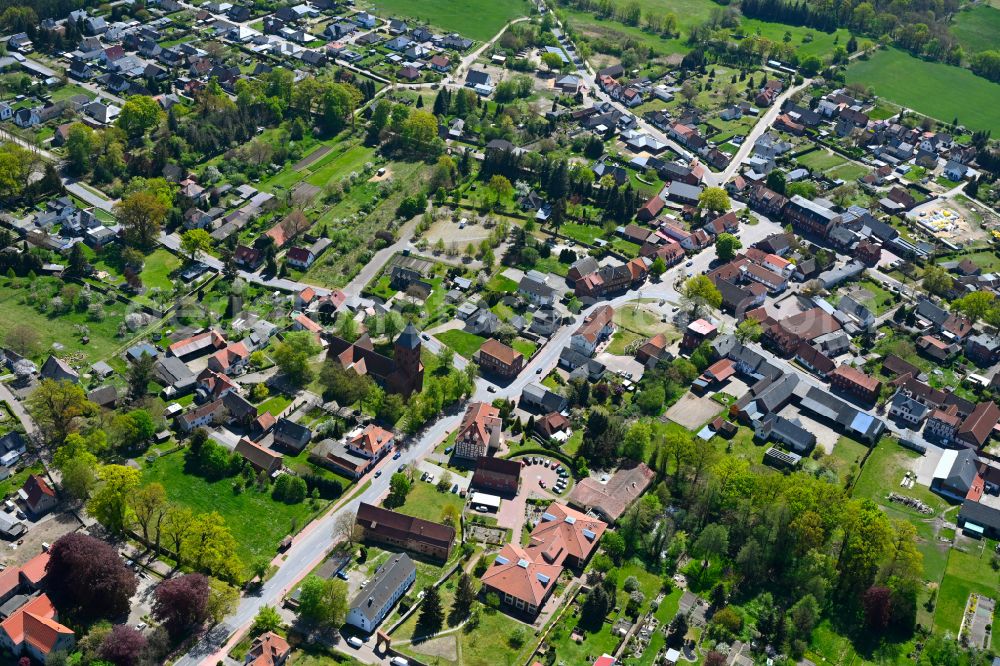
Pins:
x,y
390,582
785,431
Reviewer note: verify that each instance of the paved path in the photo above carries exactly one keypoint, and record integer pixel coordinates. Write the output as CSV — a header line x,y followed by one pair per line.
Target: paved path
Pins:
x,y
763,124
18,409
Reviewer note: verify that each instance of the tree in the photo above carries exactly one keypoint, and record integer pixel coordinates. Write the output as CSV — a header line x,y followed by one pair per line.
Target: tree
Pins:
x,y
181,603
658,268
613,544
141,215
140,374
149,506
877,604
399,488
79,148
937,281
465,595
57,407
138,115
222,600
23,339
267,619
974,305
292,356
726,246
714,199
431,612
776,181
699,293
552,61
109,505
500,187
712,542
689,91
748,330
595,608
131,431
86,576
637,441
123,646
322,602
804,615
195,241
211,547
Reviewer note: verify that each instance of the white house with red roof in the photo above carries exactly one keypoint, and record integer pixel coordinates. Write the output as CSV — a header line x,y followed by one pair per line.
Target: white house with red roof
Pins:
x,y
33,630
38,495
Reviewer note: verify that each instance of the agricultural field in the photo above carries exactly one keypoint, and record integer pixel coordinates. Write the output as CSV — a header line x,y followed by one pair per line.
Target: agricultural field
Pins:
x,y
475,19
934,89
976,29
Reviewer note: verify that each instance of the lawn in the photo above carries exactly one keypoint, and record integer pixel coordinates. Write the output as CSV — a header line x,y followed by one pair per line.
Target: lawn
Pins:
x,y
526,347
157,268
664,614
966,572
10,485
820,160
427,502
475,19
275,404
934,89
881,299
581,233
502,284
16,308
464,343
985,259
341,166
976,29
257,522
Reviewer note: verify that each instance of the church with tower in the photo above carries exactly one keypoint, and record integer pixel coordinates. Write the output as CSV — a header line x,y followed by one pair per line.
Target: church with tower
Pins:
x,y
402,373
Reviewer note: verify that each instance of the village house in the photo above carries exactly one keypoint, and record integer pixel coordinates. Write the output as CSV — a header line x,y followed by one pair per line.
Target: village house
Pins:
x,y
596,328
494,357
373,603
398,530
480,433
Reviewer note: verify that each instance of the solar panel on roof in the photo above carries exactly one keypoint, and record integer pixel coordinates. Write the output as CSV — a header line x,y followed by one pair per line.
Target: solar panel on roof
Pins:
x,y
543,579
590,536
501,560
523,564
548,516
570,519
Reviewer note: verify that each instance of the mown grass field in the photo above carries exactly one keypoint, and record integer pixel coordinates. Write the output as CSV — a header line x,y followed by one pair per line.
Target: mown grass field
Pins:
x,y
475,19
427,502
257,522
977,29
940,91
464,343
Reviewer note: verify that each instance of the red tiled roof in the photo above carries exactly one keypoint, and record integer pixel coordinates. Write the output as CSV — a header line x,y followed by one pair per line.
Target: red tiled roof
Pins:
x,y
977,428
498,350
595,323
267,650
479,418
34,622
372,439
34,569
856,377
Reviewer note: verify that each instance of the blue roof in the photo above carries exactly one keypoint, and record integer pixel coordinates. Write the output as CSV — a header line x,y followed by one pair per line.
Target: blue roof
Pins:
x,y
142,348
862,422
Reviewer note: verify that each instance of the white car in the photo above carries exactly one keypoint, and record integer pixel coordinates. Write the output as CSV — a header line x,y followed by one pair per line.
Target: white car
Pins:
x,y
354,642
